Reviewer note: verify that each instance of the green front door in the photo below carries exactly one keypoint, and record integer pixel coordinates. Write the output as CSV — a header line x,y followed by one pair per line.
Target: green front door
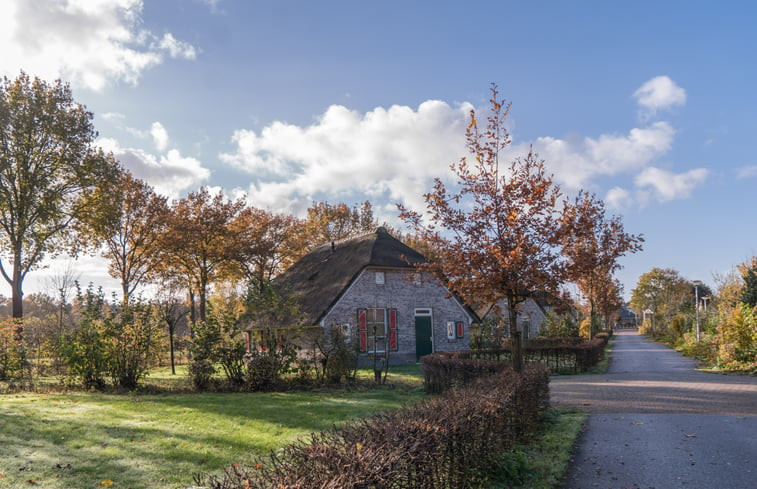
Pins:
x,y
423,344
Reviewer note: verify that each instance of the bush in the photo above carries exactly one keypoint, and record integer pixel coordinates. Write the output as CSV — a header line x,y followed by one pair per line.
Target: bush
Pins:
x,y
132,341
338,356
266,367
559,326
11,350
201,373
450,441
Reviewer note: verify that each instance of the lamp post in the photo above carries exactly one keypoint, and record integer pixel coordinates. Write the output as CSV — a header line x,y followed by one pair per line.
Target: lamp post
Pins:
x,y
697,283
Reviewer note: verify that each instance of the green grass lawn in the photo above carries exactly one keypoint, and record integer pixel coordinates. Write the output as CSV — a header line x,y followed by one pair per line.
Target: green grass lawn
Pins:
x,y
91,440
94,440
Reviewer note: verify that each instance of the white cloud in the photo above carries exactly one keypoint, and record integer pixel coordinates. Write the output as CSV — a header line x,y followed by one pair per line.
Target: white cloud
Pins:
x,y
659,93
176,48
577,162
618,198
159,136
393,152
747,172
89,43
666,185
170,173
392,155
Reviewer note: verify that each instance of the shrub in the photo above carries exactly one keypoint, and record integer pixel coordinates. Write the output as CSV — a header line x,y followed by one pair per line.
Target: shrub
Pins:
x,y
559,326
450,441
265,368
201,372
11,350
739,336
338,356
132,339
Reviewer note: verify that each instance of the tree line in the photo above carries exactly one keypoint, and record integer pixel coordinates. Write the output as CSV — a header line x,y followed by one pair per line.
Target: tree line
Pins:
x,y
501,233
669,307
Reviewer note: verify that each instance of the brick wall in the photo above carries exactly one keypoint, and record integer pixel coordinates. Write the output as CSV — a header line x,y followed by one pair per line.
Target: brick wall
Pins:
x,y
403,291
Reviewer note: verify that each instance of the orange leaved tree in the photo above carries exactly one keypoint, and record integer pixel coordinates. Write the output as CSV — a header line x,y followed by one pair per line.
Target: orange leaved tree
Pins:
x,y
498,232
592,244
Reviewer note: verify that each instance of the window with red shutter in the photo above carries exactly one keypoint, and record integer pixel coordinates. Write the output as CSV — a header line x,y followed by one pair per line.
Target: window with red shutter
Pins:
x,y
362,329
393,344
459,327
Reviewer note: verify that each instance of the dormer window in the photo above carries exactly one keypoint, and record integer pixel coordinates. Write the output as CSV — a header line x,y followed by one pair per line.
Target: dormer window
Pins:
x,y
380,278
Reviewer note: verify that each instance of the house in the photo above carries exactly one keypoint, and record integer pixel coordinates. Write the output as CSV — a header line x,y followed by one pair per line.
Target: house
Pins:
x,y
531,316
368,287
627,318
533,312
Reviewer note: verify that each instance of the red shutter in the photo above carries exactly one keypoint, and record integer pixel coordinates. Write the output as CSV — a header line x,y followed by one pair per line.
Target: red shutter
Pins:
x,y
362,329
247,342
459,326
393,329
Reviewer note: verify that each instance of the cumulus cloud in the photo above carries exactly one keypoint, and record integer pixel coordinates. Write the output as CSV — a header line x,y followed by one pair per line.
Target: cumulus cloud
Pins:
x,y
393,152
747,172
577,162
665,185
618,198
159,136
659,93
169,173
89,43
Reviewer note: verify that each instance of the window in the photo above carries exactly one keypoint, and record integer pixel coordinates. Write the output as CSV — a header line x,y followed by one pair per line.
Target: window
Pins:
x,y
376,328
380,278
450,330
459,329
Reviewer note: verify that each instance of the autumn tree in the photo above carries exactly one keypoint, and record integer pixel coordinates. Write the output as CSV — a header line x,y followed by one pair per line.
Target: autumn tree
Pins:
x,y
48,169
608,300
665,293
130,221
326,222
172,312
198,240
267,243
748,272
592,244
497,233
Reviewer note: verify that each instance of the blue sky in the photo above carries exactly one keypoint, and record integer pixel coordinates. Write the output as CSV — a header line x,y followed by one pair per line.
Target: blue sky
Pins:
x,y
648,104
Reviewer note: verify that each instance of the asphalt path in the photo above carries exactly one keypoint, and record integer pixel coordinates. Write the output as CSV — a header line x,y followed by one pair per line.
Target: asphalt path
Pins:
x,y
656,422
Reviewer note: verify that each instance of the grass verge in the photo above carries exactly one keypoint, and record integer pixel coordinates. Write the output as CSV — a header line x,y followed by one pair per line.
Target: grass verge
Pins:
x,y
544,463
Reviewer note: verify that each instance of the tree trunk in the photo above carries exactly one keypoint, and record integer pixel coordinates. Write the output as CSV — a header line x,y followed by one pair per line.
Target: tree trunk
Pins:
x,y
192,312
516,344
170,344
16,289
203,302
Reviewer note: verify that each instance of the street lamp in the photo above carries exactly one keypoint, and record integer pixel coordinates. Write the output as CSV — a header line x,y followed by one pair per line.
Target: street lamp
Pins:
x,y
697,283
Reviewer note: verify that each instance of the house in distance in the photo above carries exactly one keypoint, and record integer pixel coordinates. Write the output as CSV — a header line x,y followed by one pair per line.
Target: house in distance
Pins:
x,y
368,287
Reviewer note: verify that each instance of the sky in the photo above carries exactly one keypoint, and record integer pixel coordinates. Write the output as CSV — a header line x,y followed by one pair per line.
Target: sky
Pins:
x,y
650,105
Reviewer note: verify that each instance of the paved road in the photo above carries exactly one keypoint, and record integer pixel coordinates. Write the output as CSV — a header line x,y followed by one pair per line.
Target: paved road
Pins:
x,y
656,423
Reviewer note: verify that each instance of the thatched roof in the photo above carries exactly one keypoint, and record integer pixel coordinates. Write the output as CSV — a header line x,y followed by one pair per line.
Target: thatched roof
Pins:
x,y
320,278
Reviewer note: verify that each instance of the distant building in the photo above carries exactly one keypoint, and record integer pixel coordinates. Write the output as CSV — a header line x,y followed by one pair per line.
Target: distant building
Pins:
x,y
627,318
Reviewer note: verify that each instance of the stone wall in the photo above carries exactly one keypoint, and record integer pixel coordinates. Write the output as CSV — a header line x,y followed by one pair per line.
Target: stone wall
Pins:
x,y
405,291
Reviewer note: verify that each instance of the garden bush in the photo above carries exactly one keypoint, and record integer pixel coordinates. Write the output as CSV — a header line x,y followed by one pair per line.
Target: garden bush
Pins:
x,y
11,350
451,441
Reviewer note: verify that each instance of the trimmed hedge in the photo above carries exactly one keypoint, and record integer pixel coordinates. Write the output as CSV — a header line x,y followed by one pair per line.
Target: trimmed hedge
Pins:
x,y
445,370
451,441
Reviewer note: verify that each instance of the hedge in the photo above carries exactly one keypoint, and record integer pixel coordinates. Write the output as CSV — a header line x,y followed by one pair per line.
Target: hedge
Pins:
x,y
450,441
445,370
